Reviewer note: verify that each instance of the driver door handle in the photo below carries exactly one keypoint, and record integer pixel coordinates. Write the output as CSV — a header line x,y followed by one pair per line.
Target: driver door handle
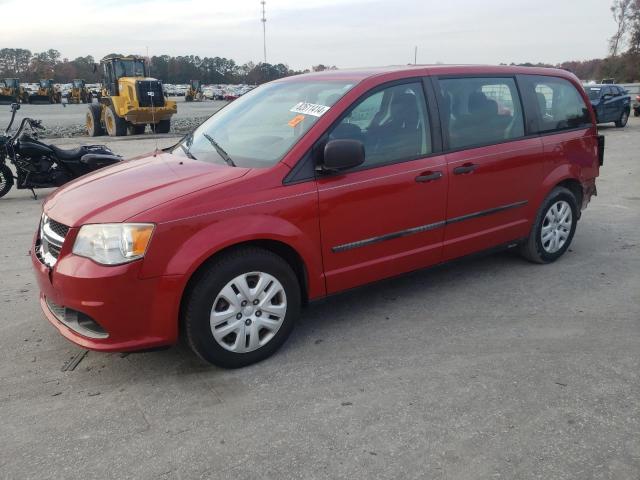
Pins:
x,y
466,168
428,177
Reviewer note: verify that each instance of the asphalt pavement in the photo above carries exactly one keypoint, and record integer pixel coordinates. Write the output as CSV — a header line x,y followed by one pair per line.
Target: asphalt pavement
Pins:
x,y
481,369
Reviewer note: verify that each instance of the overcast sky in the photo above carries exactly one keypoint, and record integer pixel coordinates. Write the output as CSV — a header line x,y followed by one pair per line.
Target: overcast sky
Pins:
x,y
301,33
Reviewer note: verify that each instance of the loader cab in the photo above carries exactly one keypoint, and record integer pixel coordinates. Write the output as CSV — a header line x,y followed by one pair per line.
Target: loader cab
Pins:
x,y
116,68
78,84
195,85
46,84
11,83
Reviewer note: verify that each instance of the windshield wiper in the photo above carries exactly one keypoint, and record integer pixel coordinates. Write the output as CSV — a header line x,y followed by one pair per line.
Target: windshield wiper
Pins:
x,y
225,156
187,152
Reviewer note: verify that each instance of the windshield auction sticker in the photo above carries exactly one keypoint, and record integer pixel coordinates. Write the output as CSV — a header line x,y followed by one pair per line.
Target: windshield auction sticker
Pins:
x,y
296,120
309,109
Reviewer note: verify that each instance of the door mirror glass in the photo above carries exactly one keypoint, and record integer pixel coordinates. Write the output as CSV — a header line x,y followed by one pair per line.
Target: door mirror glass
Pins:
x,y
343,154
607,96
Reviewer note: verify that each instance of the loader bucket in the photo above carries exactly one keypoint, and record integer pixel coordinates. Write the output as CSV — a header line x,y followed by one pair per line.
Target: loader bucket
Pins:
x,y
39,99
8,100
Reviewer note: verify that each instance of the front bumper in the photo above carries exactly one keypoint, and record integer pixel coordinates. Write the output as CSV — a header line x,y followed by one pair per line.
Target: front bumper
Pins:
x,y
135,313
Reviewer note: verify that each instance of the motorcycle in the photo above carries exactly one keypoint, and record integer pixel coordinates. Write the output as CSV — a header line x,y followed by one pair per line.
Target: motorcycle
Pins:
x,y
40,165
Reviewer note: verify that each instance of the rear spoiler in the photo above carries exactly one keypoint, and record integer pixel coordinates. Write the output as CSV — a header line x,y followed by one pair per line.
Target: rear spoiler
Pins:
x,y
601,149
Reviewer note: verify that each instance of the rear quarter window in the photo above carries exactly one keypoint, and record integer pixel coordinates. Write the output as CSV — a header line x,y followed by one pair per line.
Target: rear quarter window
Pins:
x,y
555,104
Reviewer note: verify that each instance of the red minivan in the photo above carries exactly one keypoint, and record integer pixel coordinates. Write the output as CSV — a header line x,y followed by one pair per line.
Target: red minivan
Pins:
x,y
308,186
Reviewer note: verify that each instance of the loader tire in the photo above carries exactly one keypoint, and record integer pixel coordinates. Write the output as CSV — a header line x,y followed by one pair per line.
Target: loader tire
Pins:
x,y
115,126
94,127
163,126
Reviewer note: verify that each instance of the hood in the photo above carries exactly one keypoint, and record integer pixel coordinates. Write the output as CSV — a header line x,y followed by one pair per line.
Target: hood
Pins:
x,y
118,192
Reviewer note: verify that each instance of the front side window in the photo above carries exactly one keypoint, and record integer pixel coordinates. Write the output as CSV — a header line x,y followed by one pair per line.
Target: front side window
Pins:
x,y
391,123
260,127
480,111
559,105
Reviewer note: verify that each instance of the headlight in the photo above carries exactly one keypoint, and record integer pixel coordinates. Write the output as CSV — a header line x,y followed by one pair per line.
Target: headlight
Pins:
x,y
113,243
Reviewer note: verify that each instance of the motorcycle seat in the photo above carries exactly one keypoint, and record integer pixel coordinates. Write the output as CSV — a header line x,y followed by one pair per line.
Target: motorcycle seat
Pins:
x,y
75,154
69,154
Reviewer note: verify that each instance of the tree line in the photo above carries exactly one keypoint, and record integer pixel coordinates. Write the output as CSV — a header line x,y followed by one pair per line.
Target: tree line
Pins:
x,y
31,67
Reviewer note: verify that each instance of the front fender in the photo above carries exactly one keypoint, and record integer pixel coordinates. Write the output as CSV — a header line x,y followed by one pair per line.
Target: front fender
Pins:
x,y
182,249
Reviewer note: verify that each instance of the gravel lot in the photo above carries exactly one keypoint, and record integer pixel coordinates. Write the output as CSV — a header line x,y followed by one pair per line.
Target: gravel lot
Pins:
x,y
481,369
69,120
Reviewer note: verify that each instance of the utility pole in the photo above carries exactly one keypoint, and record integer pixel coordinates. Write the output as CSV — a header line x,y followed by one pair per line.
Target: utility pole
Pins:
x,y
264,31
415,56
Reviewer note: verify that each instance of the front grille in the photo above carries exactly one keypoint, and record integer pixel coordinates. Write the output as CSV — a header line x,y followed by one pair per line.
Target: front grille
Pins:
x,y
50,240
58,228
150,93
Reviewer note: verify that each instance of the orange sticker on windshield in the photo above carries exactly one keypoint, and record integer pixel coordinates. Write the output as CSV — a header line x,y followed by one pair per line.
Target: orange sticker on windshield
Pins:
x,y
296,120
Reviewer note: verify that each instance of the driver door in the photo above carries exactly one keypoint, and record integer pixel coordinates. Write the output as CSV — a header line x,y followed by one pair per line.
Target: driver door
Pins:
x,y
386,216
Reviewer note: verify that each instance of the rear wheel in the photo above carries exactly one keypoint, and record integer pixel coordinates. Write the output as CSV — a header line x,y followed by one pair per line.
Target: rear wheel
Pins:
x,y
163,126
116,126
94,127
6,179
636,112
553,228
624,118
241,308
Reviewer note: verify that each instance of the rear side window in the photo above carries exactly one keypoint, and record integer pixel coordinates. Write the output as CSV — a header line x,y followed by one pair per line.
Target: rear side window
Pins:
x,y
557,104
480,111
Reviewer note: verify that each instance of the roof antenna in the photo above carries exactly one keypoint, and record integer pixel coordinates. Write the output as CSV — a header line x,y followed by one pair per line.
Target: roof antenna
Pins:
x,y
151,94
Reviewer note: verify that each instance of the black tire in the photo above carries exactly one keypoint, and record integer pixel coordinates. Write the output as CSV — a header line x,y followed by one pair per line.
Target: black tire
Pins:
x,y
115,126
136,129
163,126
94,127
532,249
624,118
6,179
209,282
636,112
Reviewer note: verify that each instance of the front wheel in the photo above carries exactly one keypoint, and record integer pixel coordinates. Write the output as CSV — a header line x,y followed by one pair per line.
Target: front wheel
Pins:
x,y
115,126
553,229
624,118
6,179
241,308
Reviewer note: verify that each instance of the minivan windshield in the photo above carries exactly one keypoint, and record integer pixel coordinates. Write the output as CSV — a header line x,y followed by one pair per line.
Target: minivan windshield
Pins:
x,y
260,127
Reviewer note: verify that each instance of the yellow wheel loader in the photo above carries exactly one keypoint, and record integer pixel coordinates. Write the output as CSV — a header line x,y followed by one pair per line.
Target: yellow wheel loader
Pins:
x,y
194,93
47,93
129,100
12,92
79,92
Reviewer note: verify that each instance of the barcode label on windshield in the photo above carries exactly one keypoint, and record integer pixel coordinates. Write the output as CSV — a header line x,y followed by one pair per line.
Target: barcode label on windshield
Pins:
x,y
309,109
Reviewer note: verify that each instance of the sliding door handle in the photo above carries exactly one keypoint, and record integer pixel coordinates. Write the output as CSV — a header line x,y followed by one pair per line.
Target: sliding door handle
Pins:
x,y
466,168
428,177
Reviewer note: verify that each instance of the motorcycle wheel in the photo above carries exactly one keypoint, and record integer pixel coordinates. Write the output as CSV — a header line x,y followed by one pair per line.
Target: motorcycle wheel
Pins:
x,y
6,180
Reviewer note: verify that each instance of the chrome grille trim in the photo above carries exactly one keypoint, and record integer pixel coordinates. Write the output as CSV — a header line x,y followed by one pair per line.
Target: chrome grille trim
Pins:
x,y
51,237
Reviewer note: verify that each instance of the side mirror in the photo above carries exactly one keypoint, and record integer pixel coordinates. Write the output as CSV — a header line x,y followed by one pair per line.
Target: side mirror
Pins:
x,y
342,154
15,107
